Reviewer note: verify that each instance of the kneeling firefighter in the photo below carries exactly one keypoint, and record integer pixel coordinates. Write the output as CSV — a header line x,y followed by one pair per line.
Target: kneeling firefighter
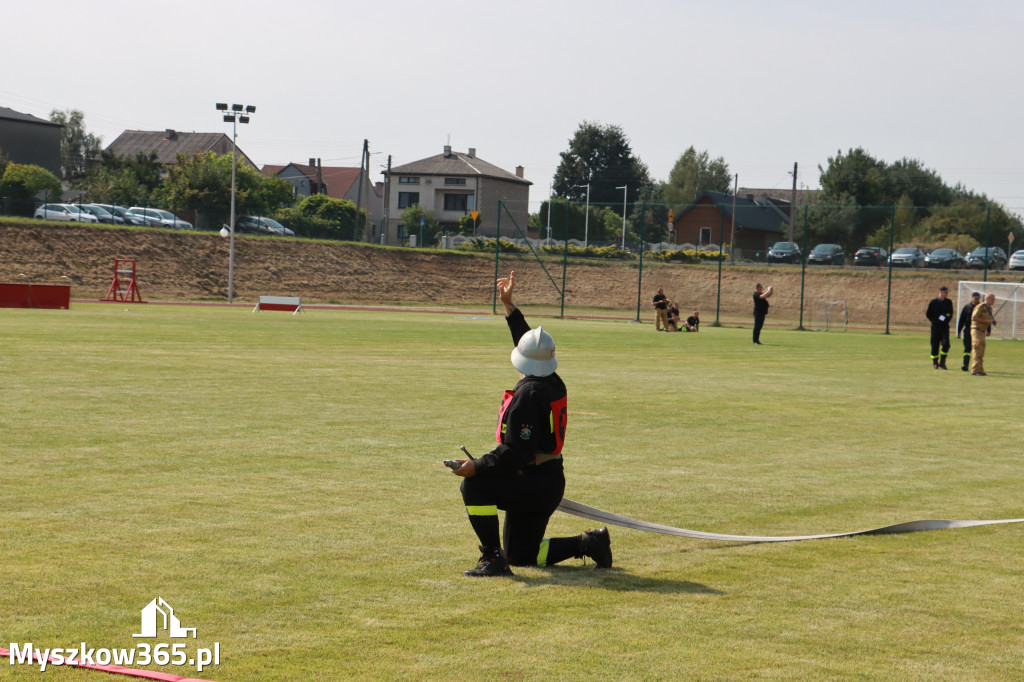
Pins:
x,y
523,475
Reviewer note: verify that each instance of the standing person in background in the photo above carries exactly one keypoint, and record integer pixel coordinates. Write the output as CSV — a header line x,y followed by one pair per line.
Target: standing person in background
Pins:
x,y
982,321
940,313
760,309
963,326
660,310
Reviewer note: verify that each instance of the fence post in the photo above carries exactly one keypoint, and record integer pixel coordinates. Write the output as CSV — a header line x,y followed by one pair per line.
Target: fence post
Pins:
x,y
803,271
497,250
565,254
892,241
721,237
640,270
988,239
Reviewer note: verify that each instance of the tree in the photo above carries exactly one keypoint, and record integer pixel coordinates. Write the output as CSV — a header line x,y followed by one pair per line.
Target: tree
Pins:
x,y
600,155
21,183
693,174
122,181
78,149
411,221
324,216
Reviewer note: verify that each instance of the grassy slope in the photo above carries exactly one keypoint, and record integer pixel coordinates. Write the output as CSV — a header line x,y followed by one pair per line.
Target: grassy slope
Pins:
x,y
277,480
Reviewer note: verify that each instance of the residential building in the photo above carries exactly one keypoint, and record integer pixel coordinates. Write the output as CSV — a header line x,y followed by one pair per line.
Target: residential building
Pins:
x,y
451,185
169,143
338,182
759,222
27,139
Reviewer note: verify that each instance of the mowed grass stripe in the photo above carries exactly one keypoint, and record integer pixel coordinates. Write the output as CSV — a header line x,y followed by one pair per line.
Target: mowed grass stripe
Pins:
x,y
277,479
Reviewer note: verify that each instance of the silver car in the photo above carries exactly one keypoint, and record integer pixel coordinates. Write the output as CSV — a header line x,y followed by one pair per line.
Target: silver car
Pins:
x,y
1017,260
64,212
166,218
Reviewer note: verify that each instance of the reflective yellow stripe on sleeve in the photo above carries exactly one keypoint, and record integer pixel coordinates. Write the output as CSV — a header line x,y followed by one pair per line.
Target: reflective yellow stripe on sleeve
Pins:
x,y
542,555
487,510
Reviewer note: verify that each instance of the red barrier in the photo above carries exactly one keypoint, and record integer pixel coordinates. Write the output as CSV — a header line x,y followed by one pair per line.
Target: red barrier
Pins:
x,y
43,296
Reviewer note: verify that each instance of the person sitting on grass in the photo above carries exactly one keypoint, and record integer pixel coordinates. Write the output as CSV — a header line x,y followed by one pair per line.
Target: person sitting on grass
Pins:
x,y
693,322
673,318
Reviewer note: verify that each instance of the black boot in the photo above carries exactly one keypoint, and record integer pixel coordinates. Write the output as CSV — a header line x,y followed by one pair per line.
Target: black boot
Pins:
x,y
491,564
942,362
597,545
967,361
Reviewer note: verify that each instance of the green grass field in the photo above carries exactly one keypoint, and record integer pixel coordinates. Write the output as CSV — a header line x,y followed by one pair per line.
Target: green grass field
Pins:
x,y
277,480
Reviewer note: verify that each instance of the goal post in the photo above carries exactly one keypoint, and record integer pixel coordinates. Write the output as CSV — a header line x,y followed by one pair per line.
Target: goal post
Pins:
x,y
1008,308
828,316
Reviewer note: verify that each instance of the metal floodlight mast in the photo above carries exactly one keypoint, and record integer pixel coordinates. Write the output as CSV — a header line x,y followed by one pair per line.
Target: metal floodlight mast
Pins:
x,y
234,117
625,193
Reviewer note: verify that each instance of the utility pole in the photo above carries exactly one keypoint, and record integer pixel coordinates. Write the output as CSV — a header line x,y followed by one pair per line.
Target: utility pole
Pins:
x,y
792,205
368,233
359,190
387,204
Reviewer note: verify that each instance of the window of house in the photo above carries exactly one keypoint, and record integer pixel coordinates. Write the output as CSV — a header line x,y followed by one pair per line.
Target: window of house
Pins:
x,y
457,202
407,199
705,235
406,180
455,181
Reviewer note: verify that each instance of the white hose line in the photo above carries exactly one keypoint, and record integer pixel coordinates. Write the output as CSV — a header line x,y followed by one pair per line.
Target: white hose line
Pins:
x,y
576,509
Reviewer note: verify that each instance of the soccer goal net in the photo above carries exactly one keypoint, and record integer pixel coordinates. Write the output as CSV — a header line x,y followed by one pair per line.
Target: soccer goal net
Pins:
x,y
1008,308
828,316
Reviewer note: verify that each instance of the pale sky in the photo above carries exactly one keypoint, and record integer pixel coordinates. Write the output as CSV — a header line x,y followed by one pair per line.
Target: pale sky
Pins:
x,y
762,84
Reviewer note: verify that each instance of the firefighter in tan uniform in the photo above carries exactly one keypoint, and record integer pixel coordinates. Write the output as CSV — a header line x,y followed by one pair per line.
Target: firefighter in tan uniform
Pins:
x,y
982,321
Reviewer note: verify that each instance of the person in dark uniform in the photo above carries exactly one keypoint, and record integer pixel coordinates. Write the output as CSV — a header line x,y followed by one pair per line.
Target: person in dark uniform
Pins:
x,y
940,314
660,305
693,322
760,309
674,321
523,475
963,326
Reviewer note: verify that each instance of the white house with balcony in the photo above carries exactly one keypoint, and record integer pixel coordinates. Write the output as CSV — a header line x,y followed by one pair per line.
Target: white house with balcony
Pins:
x,y
454,183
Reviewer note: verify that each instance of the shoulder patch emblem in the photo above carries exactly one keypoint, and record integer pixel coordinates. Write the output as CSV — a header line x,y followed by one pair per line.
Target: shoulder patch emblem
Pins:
x,y
525,432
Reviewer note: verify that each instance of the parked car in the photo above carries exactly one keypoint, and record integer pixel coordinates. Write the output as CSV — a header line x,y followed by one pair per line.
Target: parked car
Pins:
x,y
994,255
784,252
102,215
128,218
826,254
1017,260
908,257
65,212
262,225
166,218
871,255
944,258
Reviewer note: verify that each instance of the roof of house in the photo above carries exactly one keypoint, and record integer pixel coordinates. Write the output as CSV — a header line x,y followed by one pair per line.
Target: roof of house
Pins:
x,y
13,115
457,164
751,214
169,143
338,180
804,197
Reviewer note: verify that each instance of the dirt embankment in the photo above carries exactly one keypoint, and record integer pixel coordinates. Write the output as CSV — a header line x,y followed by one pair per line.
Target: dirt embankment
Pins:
x,y
193,266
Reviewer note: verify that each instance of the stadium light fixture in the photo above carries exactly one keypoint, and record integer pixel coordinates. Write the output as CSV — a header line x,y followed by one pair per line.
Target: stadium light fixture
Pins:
x,y
234,117
625,192
586,219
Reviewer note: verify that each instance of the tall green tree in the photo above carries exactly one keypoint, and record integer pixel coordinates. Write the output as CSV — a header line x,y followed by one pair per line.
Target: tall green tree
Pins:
x,y
122,181
693,174
601,156
22,183
78,149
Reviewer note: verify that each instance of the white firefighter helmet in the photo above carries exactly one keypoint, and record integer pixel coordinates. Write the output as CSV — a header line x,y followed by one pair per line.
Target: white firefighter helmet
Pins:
x,y
535,353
